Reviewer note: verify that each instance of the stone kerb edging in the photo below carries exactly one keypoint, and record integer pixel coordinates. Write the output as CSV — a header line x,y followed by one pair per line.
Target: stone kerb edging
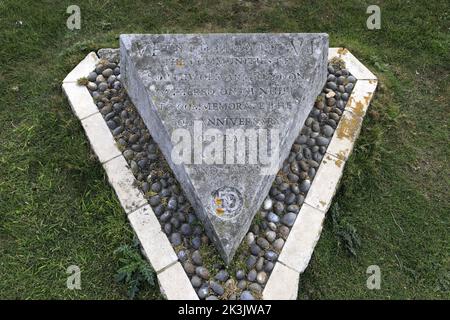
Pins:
x,y
297,251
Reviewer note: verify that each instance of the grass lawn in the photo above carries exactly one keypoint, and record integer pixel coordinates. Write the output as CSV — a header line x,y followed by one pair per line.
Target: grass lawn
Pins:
x,y
57,209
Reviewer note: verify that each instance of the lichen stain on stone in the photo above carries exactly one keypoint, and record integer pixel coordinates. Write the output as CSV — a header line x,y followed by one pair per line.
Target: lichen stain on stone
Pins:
x,y
342,51
359,108
218,201
348,127
339,162
179,63
323,203
341,154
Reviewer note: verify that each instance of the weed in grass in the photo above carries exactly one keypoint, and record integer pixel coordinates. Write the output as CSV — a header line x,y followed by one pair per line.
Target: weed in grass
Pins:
x,y
135,272
82,81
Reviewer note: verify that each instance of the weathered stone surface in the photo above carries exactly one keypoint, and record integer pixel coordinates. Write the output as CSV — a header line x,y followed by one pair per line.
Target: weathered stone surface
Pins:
x,y
206,89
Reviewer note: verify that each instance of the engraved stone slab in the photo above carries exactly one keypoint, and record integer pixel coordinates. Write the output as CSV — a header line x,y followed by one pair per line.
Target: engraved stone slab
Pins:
x,y
225,110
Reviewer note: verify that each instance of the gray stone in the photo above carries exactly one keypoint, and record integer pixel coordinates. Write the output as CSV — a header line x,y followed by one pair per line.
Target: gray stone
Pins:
x,y
268,267
222,275
267,204
109,54
202,272
197,258
255,287
271,255
263,243
240,274
304,186
175,238
278,244
289,219
196,281
242,284
203,292
251,276
246,295
273,217
261,278
217,288
223,82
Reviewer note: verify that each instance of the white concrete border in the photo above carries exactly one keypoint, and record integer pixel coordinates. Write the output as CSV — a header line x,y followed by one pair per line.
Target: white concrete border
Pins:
x,y
304,235
173,281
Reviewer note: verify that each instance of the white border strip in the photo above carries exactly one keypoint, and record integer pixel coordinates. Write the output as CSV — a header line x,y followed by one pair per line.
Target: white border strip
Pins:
x,y
173,281
304,235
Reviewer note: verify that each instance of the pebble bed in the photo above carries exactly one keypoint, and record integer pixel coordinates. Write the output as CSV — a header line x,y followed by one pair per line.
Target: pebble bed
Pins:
x,y
250,269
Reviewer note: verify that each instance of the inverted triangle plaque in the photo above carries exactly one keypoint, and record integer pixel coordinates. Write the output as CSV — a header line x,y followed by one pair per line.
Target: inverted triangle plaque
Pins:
x,y
225,110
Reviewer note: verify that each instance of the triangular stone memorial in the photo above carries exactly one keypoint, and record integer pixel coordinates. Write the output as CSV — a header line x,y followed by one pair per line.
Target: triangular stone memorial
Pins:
x,y
225,110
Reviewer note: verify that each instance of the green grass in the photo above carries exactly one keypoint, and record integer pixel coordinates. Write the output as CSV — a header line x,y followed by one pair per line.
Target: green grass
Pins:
x,y
56,208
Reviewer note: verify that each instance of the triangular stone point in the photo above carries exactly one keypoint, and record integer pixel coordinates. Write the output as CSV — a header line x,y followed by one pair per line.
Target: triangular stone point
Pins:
x,y
225,110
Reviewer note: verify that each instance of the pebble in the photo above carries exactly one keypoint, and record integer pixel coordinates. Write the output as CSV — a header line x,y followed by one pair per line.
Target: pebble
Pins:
x,y
202,272
196,281
92,86
246,295
102,86
185,229
251,276
189,267
261,278
251,261
272,217
107,73
263,243
271,255
278,244
154,200
167,228
255,249
172,204
327,130
92,76
278,207
111,124
222,275
259,264
250,238
117,131
255,287
196,242
271,236
268,267
242,284
288,219
293,208
175,239
217,288
156,187
267,205
182,255
240,274
322,141
203,292
197,258
304,186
